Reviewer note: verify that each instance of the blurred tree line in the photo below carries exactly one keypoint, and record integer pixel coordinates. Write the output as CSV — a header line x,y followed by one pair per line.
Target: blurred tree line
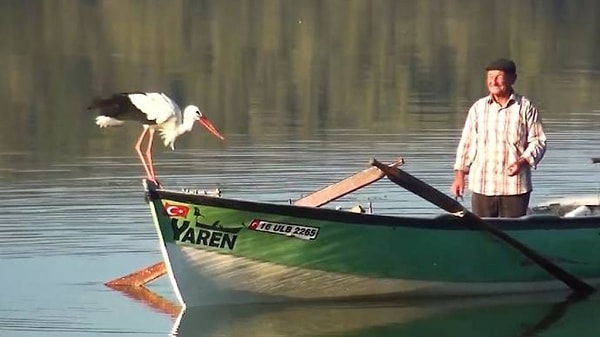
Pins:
x,y
291,67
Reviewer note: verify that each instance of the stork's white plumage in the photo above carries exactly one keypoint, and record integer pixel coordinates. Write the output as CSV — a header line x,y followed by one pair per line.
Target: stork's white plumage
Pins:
x,y
155,111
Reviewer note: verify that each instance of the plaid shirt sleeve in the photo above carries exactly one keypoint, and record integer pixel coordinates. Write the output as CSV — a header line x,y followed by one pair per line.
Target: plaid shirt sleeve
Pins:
x,y
467,147
536,138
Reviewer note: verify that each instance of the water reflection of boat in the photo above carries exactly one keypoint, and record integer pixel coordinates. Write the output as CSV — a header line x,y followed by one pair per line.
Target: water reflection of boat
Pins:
x,y
487,316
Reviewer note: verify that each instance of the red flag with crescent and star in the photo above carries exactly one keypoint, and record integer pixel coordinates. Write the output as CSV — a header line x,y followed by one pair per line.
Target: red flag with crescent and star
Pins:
x,y
176,210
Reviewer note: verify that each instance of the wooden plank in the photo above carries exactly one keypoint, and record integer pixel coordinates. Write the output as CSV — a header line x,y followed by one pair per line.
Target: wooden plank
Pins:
x,y
344,186
139,277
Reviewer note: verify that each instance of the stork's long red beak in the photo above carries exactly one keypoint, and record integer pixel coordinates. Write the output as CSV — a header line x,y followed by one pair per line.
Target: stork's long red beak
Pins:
x,y
208,125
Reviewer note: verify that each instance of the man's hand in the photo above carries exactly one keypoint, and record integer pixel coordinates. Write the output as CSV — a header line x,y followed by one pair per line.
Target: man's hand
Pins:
x,y
515,167
458,185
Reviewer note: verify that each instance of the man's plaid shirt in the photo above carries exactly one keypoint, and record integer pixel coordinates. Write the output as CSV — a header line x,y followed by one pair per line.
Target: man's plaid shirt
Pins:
x,y
495,137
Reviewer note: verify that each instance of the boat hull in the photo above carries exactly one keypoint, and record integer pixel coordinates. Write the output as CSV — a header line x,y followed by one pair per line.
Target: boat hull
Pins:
x,y
210,278
224,251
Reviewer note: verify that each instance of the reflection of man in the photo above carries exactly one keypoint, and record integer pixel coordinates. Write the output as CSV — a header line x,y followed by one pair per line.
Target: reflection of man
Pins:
x,y
501,141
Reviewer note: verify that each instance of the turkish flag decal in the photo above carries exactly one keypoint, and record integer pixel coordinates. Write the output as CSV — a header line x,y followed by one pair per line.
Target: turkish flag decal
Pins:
x,y
176,210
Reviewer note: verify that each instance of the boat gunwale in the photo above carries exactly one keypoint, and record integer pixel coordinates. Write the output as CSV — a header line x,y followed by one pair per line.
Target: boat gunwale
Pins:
x,y
442,221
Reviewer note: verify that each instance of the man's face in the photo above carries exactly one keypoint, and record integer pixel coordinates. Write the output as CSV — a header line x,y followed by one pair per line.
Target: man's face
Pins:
x,y
499,83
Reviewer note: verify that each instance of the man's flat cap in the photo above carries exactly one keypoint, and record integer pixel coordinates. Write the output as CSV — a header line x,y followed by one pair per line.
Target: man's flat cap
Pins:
x,y
506,65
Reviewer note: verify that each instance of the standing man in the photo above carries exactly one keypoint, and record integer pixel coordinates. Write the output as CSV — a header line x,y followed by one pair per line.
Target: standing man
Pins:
x,y
501,142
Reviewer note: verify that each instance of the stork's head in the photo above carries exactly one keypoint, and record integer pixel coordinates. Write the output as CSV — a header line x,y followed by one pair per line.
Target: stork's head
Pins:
x,y
192,112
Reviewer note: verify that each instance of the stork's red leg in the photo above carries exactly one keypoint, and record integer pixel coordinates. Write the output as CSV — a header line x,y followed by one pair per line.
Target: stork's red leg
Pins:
x,y
150,163
139,152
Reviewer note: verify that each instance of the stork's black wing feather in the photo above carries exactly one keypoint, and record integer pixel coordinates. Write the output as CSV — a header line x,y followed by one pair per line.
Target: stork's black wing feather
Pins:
x,y
120,107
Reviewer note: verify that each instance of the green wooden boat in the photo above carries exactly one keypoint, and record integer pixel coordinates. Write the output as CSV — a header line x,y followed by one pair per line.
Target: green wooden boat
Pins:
x,y
228,251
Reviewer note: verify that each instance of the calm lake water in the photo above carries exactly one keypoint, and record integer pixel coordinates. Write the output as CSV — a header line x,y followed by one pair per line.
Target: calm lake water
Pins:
x,y
305,92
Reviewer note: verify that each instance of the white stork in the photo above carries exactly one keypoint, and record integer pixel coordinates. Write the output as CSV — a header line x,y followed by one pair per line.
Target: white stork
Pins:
x,y
156,111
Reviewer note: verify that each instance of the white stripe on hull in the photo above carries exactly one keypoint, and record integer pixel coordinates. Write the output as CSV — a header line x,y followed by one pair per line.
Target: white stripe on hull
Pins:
x,y
208,278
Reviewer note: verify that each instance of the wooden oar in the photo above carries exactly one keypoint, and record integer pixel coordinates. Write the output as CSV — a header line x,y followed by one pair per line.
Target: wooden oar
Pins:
x,y
316,199
445,202
139,277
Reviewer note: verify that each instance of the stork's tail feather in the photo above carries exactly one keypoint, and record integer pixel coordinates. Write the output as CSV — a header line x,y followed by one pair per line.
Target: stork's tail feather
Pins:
x,y
105,121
